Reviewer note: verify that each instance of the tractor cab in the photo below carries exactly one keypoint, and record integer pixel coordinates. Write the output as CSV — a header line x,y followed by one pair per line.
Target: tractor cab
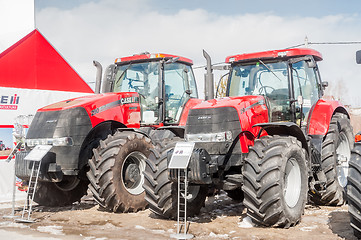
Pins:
x,y
164,83
288,80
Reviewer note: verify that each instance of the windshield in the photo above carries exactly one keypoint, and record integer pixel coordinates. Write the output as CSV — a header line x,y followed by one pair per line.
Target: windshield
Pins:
x,y
259,79
144,78
266,79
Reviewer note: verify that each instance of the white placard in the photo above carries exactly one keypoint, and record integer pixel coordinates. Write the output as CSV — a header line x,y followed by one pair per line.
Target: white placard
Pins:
x,y
181,155
38,152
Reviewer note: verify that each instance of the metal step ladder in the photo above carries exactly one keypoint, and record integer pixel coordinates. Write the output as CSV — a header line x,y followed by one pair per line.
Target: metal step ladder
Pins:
x,y
182,206
33,181
182,202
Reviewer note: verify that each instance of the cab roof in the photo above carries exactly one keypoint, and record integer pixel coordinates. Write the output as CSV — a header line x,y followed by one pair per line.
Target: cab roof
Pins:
x,y
148,56
275,54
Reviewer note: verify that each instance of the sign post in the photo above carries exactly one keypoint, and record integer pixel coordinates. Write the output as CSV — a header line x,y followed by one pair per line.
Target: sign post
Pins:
x,y
179,162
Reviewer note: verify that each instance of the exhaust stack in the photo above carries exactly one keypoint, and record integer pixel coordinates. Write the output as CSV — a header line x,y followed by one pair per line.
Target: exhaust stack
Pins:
x,y
98,79
208,78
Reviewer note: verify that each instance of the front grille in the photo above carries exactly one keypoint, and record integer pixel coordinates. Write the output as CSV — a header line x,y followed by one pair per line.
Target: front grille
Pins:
x,y
212,120
73,123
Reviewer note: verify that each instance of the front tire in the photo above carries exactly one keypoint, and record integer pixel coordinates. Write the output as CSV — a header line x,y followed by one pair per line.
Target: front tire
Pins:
x,y
64,193
116,172
336,153
275,181
354,190
161,193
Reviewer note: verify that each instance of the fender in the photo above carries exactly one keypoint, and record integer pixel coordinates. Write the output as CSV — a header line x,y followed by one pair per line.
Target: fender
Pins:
x,y
176,130
284,128
99,132
323,110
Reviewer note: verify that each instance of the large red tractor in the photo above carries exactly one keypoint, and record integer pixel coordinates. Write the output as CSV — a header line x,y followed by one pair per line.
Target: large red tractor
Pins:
x,y
104,138
354,180
270,142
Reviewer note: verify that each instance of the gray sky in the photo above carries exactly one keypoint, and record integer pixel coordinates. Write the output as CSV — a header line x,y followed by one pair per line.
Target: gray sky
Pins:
x,y
84,30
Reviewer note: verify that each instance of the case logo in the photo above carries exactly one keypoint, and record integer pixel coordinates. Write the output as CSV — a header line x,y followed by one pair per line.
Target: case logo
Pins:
x,y
9,102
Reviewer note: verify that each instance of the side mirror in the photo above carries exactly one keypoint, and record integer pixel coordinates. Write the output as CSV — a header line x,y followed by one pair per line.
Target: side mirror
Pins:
x,y
324,85
358,57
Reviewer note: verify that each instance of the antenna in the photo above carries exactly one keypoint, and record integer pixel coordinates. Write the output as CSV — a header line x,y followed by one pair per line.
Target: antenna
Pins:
x,y
34,14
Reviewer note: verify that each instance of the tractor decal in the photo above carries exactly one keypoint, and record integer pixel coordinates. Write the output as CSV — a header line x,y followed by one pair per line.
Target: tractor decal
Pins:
x,y
122,101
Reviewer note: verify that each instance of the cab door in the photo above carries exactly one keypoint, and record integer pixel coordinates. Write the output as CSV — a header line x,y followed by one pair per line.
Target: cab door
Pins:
x,y
306,90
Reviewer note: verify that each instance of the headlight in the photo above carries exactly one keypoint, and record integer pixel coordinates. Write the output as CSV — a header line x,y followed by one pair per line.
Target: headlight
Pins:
x,y
63,141
210,137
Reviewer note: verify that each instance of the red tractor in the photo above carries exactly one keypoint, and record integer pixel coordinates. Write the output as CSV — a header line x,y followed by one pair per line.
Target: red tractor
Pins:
x,y
104,138
269,143
354,180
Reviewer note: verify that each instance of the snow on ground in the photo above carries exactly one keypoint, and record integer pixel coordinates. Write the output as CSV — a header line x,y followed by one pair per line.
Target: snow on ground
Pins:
x,y
246,223
55,230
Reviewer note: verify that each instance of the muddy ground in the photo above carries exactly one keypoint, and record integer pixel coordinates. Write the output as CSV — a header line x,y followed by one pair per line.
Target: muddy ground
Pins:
x,y
221,218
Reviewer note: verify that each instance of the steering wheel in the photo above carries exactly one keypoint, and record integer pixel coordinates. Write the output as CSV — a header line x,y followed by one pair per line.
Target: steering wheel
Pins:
x,y
263,88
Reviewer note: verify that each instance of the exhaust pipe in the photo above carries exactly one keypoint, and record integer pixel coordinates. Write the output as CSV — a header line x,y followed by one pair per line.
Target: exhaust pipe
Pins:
x,y
98,79
208,78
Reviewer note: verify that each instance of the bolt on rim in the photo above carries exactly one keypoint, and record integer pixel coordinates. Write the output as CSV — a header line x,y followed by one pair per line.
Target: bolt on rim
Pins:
x,y
132,173
343,153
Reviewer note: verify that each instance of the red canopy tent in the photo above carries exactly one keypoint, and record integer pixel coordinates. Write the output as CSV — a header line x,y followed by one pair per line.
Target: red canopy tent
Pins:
x,y
33,63
32,75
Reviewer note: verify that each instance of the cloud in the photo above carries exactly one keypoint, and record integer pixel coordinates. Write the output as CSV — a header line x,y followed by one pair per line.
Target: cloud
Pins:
x,y
107,29
17,20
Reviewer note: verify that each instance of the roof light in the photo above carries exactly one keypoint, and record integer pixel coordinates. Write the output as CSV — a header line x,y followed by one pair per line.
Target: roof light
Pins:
x,y
282,54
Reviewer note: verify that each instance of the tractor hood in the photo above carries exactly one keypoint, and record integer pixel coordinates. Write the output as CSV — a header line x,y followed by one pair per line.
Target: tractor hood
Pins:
x,y
90,101
216,123
121,107
234,114
242,104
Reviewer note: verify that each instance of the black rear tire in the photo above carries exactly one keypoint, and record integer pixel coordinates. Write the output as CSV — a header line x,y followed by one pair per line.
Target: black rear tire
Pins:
x,y
275,181
161,193
65,193
354,190
236,195
116,171
334,163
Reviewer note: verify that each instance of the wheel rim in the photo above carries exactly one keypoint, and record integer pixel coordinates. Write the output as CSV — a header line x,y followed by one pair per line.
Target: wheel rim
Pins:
x,y
68,184
132,173
293,183
343,153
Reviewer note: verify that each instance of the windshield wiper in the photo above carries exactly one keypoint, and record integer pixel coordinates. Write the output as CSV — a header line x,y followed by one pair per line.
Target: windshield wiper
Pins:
x,y
270,70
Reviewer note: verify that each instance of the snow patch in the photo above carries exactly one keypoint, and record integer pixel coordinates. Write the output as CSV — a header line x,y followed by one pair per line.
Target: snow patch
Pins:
x,y
13,224
56,230
246,223
220,236
308,229
158,231
139,227
94,238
